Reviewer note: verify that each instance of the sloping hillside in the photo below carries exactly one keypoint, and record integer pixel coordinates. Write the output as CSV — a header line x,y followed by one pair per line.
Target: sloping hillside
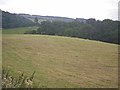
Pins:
x,y
47,18
20,30
10,20
62,61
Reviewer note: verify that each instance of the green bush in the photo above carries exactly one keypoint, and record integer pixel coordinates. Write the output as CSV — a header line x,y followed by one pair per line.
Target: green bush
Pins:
x,y
31,32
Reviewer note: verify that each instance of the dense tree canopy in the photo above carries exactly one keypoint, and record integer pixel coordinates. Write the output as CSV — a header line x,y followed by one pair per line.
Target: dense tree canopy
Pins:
x,y
106,30
13,20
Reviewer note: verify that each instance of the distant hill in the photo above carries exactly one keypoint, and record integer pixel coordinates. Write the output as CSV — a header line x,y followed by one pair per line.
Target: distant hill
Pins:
x,y
10,20
106,30
52,18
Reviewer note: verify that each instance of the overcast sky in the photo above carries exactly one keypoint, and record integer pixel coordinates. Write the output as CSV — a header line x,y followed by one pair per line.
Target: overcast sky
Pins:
x,y
98,9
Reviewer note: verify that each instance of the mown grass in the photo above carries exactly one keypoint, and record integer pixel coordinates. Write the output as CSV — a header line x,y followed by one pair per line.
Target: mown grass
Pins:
x,y
62,61
20,30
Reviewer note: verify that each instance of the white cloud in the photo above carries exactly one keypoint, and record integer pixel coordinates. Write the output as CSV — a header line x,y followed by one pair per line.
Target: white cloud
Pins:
x,y
99,9
3,2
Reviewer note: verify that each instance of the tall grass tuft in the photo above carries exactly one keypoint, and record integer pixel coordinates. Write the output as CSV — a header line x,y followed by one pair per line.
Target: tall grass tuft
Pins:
x,y
22,81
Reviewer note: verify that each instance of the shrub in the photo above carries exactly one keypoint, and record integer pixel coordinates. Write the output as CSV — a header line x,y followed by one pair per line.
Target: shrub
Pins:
x,y
22,81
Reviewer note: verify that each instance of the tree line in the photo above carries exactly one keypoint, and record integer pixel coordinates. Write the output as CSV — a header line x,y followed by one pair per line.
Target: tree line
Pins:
x,y
106,30
10,20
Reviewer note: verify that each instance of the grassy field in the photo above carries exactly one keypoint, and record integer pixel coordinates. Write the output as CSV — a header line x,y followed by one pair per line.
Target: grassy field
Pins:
x,y
20,30
62,61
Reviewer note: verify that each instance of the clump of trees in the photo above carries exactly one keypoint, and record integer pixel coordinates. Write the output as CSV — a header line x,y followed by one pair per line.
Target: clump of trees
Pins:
x,y
36,21
106,30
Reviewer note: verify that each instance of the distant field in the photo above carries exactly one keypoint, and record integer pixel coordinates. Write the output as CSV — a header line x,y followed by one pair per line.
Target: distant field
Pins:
x,y
62,61
20,30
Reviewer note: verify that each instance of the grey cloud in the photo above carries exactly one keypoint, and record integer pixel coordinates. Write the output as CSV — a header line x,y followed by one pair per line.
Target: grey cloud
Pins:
x,y
113,14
